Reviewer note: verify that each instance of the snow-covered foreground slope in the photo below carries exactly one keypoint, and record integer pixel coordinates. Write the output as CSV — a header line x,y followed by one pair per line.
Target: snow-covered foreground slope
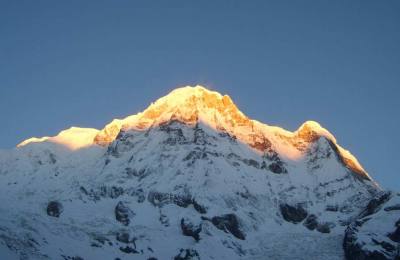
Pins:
x,y
189,178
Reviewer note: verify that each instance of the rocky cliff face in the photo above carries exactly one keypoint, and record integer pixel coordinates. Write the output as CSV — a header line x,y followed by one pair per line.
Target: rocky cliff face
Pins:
x,y
376,232
191,177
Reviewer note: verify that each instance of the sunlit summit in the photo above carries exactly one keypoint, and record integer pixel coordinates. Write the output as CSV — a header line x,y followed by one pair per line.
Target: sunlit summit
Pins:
x,y
198,105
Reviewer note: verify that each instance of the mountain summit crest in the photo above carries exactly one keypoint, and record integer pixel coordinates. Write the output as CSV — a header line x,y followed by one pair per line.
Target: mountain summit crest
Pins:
x,y
198,105
188,105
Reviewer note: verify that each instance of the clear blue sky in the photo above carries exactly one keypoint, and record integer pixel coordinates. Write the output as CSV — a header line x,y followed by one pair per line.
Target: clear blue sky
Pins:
x,y
82,63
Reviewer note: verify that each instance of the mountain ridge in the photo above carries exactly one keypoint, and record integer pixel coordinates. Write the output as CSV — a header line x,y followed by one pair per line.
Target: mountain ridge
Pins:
x,y
191,105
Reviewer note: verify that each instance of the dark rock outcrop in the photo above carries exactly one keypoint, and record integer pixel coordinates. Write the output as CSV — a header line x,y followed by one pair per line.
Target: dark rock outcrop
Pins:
x,y
311,222
228,223
199,208
277,167
128,250
394,207
395,236
123,213
190,229
159,199
54,209
375,204
294,214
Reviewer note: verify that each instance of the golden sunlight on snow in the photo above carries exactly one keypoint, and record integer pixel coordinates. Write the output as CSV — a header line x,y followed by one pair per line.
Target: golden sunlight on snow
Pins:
x,y
73,138
33,140
192,105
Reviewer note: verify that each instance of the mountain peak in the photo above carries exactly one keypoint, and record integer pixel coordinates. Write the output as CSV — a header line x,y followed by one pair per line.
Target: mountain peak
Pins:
x,y
194,169
182,93
187,101
311,130
194,105
188,105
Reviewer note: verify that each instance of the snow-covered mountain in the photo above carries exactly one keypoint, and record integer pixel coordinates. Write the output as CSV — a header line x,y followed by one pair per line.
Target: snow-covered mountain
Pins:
x,y
192,177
